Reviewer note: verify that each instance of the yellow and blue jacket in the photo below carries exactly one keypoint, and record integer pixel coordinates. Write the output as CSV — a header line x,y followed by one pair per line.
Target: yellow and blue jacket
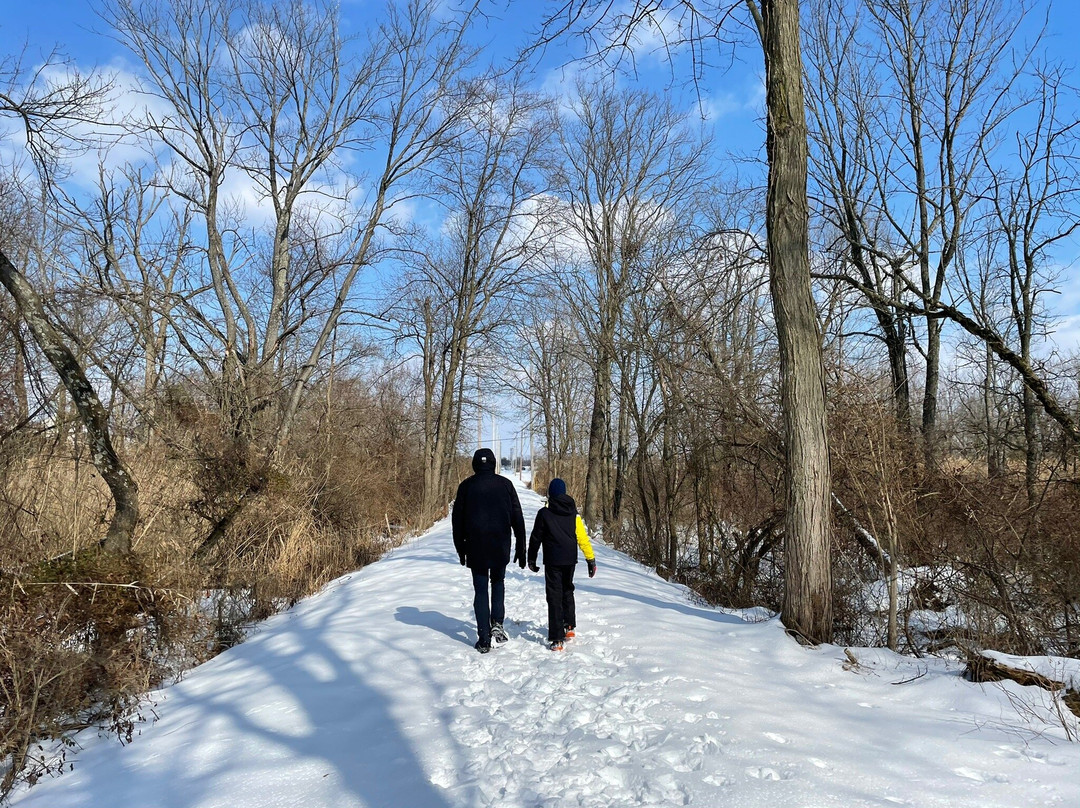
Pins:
x,y
560,531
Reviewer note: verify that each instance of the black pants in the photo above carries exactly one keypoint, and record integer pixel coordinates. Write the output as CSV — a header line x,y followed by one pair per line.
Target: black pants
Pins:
x,y
495,611
559,586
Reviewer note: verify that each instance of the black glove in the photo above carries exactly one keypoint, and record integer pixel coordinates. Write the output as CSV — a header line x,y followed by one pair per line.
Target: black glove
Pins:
x,y
592,566
461,558
519,556
533,567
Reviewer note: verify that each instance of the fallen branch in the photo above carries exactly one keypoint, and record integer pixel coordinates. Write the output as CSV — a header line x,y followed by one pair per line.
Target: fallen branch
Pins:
x,y
981,668
863,536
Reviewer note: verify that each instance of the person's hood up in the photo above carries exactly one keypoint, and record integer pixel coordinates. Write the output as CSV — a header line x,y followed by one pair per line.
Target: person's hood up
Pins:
x,y
562,504
483,461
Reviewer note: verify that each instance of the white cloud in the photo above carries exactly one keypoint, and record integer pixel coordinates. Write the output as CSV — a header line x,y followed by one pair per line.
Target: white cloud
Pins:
x,y
1065,339
749,98
659,35
1065,307
109,140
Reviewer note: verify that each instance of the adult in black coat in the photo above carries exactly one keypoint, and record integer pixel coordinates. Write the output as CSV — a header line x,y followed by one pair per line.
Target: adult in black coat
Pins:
x,y
486,511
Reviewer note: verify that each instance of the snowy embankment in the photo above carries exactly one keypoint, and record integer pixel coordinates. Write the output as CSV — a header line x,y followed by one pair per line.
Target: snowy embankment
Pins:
x,y
370,694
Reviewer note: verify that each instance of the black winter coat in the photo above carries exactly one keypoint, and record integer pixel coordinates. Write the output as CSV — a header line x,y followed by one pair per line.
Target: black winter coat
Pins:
x,y
556,530
486,510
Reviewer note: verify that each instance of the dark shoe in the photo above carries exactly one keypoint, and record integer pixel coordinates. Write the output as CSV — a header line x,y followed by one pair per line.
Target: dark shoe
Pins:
x,y
569,632
557,646
483,646
498,633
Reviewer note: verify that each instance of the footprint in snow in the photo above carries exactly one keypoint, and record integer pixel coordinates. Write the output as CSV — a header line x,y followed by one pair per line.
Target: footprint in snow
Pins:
x,y
1027,754
980,777
717,780
443,778
681,761
762,773
970,774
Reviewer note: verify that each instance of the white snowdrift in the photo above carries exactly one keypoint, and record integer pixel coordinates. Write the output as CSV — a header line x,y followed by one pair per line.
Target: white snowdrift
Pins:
x,y
1057,669
370,694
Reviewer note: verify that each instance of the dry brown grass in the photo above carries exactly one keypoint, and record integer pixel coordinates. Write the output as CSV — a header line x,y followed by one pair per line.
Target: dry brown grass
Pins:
x,y
84,636
1013,566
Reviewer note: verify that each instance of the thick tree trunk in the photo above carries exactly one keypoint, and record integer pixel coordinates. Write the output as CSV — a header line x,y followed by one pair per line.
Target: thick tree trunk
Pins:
x,y
807,609
995,462
932,449
594,476
94,419
22,399
622,456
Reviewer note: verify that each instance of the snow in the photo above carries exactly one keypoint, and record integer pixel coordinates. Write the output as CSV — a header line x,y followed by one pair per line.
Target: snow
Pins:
x,y
1057,669
370,694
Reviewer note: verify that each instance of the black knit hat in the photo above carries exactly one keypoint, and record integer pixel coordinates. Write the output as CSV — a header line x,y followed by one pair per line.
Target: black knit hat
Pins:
x,y
483,460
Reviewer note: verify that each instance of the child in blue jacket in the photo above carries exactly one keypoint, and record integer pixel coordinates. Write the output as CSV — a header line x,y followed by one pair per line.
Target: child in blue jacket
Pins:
x,y
560,531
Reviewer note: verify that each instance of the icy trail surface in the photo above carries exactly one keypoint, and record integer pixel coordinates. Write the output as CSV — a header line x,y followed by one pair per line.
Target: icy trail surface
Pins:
x,y
370,694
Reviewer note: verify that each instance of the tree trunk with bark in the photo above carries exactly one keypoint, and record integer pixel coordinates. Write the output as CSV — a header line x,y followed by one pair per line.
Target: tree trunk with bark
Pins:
x,y
95,421
807,608
593,514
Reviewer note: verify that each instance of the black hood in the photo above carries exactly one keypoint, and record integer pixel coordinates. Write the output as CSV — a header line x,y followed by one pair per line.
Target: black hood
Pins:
x,y
563,504
483,461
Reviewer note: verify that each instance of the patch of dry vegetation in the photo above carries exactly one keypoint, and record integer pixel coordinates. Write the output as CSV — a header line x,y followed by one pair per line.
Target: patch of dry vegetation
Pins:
x,y
85,635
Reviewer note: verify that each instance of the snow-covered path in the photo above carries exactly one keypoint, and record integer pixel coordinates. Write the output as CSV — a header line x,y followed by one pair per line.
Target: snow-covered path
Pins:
x,y
370,694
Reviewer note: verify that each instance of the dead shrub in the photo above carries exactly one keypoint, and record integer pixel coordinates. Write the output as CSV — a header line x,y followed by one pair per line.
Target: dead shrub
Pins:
x,y
82,638
1009,567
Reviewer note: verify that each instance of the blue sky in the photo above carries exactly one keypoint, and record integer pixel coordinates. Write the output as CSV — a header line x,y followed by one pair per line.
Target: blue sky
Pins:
x,y
74,27
730,94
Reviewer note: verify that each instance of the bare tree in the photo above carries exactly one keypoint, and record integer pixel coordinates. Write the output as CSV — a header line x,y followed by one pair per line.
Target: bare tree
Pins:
x,y
630,164
807,570
808,595
555,378
1029,209
918,90
460,288
1033,209
273,95
138,248
840,96
46,108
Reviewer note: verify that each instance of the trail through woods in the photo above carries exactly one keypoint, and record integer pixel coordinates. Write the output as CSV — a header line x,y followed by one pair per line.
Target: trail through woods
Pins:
x,y
370,694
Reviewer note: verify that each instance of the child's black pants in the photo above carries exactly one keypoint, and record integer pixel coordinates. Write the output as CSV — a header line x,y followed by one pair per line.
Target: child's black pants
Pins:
x,y
559,586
